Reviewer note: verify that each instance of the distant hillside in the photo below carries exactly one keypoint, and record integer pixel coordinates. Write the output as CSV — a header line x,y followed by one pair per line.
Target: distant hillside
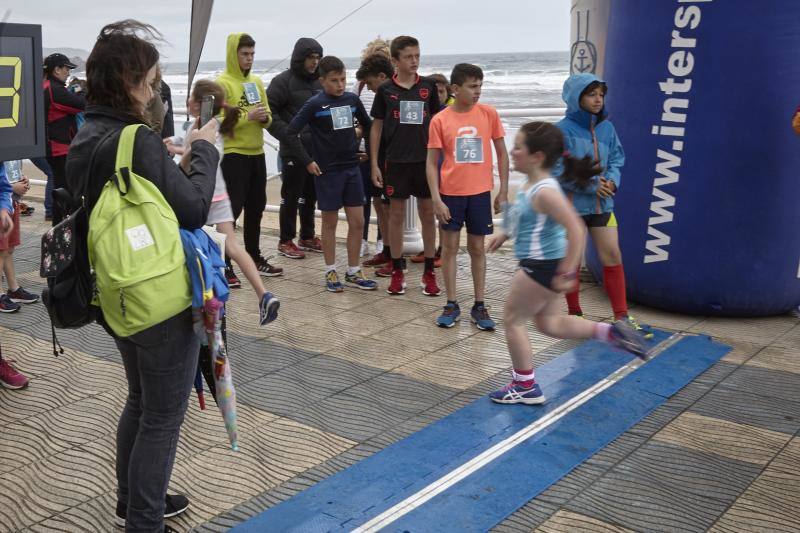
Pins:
x,y
76,55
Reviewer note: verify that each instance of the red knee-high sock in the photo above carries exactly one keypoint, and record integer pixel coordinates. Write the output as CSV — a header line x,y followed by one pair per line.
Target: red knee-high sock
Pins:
x,y
574,300
614,281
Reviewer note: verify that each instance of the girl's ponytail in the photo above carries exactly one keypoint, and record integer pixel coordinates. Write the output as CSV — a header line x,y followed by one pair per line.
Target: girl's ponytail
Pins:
x,y
548,138
580,171
230,120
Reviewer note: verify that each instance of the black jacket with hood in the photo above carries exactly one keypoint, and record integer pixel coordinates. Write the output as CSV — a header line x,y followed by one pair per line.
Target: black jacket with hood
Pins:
x,y
287,92
188,195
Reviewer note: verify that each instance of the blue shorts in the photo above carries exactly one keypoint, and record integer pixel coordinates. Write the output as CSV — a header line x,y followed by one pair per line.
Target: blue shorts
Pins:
x,y
337,188
475,211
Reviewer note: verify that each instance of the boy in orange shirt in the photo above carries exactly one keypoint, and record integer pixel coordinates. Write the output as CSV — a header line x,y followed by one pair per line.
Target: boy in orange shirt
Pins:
x,y
463,133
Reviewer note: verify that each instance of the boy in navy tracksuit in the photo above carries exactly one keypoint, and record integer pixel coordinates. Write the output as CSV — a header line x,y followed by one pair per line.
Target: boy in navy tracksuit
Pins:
x,y
332,115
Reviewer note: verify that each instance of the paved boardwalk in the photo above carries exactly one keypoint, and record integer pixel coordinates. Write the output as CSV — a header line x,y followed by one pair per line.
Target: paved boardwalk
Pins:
x,y
341,376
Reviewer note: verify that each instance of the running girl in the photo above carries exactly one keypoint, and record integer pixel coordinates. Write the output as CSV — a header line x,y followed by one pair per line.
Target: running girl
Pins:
x,y
220,213
548,242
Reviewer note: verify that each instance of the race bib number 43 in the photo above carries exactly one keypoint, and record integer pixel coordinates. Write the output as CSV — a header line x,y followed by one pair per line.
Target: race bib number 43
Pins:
x,y
411,112
342,117
469,150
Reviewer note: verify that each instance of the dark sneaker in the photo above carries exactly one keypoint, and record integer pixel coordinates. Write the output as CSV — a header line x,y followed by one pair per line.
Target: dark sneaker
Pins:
x,y
25,209
376,261
332,283
516,393
10,378
358,280
644,330
480,317
398,283
386,270
625,336
268,308
232,278
7,306
450,315
290,250
429,285
267,270
21,296
310,245
175,505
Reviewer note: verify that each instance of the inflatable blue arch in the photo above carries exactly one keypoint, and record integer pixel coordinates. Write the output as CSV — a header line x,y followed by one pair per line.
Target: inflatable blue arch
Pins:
x,y
702,94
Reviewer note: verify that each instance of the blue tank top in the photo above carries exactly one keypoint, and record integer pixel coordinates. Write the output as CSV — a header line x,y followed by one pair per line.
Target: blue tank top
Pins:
x,y
536,236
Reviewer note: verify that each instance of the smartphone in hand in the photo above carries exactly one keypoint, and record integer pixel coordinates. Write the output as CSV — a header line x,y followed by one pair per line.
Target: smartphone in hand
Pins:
x,y
206,109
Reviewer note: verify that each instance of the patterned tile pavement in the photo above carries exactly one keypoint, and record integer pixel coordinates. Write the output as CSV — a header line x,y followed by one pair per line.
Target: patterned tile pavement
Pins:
x,y
341,376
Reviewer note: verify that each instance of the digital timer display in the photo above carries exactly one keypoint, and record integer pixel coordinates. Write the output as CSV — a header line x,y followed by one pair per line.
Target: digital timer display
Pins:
x,y
22,118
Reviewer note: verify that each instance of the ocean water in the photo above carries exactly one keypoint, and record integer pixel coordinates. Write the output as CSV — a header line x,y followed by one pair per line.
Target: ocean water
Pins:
x,y
511,81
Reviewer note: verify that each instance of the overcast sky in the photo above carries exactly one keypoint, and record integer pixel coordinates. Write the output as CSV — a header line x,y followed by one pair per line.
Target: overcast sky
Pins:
x,y
460,26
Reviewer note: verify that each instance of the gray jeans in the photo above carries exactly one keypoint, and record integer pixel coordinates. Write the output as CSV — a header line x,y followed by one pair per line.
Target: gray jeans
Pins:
x,y
160,364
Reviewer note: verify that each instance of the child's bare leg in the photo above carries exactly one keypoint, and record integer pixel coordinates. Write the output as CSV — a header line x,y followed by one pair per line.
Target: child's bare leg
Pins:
x,y
330,220
235,251
525,300
8,269
355,228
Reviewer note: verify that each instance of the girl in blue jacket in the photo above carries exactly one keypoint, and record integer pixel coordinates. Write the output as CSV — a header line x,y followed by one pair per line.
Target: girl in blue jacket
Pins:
x,y
588,133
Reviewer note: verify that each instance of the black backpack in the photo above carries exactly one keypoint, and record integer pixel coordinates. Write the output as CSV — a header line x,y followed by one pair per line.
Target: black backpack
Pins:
x,y
65,262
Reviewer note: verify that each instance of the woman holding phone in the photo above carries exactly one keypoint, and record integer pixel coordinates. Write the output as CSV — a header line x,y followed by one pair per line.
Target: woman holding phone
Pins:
x,y
161,361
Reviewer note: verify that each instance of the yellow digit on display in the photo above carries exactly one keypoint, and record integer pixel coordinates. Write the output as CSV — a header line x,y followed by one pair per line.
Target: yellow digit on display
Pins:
x,y
13,92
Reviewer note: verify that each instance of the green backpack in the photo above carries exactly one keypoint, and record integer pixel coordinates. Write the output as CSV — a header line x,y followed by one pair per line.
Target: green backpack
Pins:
x,y
135,249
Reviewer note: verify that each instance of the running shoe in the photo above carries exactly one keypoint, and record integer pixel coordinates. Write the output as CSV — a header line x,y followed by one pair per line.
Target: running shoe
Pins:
x,y
26,210
628,338
175,504
480,317
516,393
268,308
450,315
386,270
232,278
310,245
267,270
429,285
357,279
419,258
332,282
21,296
289,249
376,261
398,283
7,306
644,330
10,378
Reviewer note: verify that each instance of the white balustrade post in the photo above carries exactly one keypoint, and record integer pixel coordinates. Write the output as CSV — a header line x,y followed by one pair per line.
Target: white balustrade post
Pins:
x,y
412,238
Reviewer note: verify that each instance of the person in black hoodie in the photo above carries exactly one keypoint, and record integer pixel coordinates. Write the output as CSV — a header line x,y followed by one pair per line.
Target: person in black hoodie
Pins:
x,y
161,361
287,92
60,108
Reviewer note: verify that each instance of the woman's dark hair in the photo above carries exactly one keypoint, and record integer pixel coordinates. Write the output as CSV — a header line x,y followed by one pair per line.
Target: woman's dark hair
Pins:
x,y
374,65
119,62
547,138
330,64
206,87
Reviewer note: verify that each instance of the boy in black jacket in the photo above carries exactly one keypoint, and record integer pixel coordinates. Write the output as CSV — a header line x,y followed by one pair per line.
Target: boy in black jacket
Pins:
x,y
286,93
337,180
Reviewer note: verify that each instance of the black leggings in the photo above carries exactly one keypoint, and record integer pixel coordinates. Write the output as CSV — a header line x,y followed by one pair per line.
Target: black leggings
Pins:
x,y
58,166
297,194
246,181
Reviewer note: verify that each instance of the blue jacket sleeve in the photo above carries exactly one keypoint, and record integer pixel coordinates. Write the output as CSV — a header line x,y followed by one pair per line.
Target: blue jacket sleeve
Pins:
x,y
302,118
5,191
616,160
